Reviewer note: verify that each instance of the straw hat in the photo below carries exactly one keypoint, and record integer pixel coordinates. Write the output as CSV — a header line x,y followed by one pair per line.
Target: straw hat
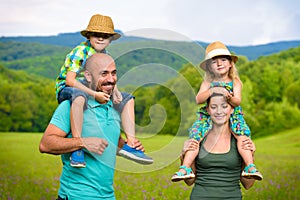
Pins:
x,y
101,24
216,49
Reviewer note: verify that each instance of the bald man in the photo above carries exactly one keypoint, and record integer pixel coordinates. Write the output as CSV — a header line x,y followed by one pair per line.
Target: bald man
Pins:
x,y
100,135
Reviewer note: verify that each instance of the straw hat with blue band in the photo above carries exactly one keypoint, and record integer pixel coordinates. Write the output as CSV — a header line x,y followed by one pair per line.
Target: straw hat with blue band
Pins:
x,y
101,24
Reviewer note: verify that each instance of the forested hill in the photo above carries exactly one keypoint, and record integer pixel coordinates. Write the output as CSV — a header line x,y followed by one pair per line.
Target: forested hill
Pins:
x,y
46,60
271,88
27,101
72,39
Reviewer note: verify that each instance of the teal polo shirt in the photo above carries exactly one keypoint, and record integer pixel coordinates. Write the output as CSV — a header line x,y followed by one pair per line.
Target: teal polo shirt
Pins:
x,y
95,181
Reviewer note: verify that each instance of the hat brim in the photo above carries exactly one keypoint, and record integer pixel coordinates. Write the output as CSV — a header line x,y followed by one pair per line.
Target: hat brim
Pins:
x,y
115,36
203,63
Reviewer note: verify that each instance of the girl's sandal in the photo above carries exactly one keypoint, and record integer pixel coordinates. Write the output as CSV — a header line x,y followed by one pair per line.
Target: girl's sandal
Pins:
x,y
178,176
252,174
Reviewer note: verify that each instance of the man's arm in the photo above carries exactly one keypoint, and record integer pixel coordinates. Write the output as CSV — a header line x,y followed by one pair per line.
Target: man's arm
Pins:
x,y
54,141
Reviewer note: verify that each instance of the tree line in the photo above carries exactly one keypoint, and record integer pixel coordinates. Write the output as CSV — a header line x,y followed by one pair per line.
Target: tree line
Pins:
x,y
271,94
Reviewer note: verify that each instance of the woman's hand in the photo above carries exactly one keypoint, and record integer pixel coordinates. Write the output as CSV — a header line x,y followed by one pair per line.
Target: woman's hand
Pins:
x,y
189,145
248,144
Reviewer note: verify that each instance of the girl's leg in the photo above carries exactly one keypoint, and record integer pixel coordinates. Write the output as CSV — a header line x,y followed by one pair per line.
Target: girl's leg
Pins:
x,y
245,154
250,170
185,171
189,159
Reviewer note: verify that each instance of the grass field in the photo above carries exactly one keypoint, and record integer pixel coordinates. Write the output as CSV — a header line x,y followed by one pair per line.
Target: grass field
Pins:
x,y
27,174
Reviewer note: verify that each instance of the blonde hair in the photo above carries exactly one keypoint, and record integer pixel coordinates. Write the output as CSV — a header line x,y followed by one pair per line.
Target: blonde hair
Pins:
x,y
232,73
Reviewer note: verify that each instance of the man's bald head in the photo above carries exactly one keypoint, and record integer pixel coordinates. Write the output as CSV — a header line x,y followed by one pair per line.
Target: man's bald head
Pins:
x,y
98,60
101,73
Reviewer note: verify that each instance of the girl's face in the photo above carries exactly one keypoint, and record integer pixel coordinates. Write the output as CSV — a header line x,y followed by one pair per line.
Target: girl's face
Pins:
x,y
100,41
220,65
219,110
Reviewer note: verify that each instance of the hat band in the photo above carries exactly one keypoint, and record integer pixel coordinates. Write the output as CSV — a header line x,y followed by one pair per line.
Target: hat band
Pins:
x,y
217,52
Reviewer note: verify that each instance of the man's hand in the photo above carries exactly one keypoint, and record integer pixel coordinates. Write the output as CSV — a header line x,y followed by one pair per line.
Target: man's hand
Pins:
x,y
95,145
135,143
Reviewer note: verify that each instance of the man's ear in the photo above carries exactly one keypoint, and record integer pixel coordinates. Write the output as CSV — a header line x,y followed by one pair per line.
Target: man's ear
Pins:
x,y
87,76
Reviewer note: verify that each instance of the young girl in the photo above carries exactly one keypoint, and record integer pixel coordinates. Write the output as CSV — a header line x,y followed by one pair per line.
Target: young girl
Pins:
x,y
220,74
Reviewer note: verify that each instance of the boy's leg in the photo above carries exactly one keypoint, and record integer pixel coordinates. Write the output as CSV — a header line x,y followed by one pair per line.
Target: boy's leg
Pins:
x,y
76,116
247,156
128,122
130,150
76,119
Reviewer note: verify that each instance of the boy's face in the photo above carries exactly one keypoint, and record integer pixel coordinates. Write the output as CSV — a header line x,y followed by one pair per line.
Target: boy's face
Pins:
x,y
100,41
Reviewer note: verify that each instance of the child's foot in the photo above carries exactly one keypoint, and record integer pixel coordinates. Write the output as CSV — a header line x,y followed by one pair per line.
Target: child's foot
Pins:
x,y
77,159
250,172
183,173
135,155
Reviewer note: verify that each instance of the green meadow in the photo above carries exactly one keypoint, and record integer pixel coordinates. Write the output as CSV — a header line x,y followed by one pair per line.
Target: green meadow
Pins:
x,y
27,174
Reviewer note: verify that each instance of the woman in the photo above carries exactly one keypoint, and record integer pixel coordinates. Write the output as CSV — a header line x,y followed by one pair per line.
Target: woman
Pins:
x,y
218,165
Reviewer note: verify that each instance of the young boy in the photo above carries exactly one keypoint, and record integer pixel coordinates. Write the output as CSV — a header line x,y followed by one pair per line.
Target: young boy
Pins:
x,y
70,85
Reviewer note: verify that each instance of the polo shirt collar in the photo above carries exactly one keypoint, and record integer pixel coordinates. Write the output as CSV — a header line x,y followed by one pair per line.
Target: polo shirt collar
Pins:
x,y
92,103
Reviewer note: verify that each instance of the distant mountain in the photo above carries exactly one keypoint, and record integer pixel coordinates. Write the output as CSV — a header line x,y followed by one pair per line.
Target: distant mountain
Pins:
x,y
72,39
64,39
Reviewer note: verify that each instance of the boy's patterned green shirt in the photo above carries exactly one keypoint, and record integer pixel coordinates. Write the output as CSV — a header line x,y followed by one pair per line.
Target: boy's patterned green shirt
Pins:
x,y
74,62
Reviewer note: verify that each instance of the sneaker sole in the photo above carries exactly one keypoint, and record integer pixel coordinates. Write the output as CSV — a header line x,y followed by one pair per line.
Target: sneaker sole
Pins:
x,y
135,158
180,178
78,165
252,176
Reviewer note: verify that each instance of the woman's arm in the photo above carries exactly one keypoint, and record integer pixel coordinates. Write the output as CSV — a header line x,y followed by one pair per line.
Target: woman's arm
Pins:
x,y
247,183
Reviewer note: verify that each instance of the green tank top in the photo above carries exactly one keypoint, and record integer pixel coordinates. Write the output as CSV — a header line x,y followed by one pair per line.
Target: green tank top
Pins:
x,y
218,175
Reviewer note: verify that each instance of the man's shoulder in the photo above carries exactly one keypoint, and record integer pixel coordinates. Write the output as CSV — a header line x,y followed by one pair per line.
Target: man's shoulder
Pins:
x,y
64,106
61,116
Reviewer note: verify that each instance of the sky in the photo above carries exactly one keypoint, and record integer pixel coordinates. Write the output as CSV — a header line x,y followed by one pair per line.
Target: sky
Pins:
x,y
234,22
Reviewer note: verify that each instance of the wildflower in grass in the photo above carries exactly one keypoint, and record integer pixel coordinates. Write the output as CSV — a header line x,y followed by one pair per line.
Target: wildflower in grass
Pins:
x,y
278,186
